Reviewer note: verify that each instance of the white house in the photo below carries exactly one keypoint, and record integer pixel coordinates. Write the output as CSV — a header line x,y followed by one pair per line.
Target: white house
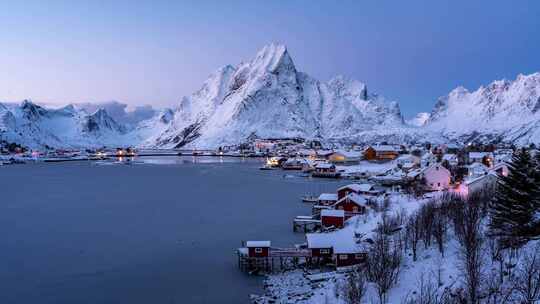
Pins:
x,y
428,159
342,156
478,157
451,158
476,170
478,183
436,177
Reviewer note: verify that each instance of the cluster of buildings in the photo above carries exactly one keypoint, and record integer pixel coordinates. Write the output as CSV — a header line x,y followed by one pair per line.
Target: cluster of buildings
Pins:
x,y
330,235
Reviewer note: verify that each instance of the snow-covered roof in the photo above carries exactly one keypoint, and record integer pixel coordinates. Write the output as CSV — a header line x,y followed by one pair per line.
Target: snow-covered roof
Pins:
x,y
476,155
355,198
428,156
408,165
251,244
342,241
306,152
324,166
477,167
328,197
357,187
470,181
324,152
349,154
319,240
385,148
333,212
449,157
415,173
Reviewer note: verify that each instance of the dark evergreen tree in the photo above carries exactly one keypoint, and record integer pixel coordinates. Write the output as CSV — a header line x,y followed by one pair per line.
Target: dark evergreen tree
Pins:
x,y
536,198
512,207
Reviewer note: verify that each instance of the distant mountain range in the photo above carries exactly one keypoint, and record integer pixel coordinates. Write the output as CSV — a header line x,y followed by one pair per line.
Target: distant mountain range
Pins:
x,y
269,97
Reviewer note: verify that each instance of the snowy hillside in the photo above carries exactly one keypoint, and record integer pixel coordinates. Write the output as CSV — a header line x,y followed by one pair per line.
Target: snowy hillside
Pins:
x,y
504,110
35,126
419,120
268,97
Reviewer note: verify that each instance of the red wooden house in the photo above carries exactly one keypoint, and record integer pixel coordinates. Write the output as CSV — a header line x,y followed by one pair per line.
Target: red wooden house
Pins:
x,y
332,218
353,204
258,249
320,245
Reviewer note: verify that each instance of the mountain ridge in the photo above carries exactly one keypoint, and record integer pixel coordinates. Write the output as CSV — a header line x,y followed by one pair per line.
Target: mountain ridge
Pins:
x,y
269,97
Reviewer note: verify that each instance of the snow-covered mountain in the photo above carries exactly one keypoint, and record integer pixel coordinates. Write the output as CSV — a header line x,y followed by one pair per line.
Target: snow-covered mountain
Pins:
x,y
34,126
502,111
269,97
419,120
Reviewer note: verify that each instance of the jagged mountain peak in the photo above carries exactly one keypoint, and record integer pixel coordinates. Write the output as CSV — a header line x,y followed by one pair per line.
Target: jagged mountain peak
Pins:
x,y
419,119
100,121
268,97
271,57
346,85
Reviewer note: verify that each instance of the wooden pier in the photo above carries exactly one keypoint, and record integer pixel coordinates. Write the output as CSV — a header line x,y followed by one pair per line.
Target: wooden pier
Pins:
x,y
277,259
306,223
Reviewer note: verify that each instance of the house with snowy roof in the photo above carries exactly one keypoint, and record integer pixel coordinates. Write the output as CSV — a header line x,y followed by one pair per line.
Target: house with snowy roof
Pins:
x,y
325,170
353,204
365,189
332,218
476,169
436,177
345,157
381,153
327,199
343,246
452,159
485,158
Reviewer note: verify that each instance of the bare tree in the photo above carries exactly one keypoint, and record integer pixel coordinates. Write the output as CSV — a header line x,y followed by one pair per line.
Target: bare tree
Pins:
x,y
471,241
428,293
413,233
353,288
426,215
384,263
528,277
439,228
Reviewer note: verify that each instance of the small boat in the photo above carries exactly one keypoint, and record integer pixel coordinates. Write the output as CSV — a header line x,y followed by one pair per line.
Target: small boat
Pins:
x,y
266,168
309,199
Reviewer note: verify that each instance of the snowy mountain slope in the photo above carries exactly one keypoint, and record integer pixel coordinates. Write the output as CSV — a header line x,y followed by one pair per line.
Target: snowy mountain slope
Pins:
x,y
35,126
419,120
268,97
504,110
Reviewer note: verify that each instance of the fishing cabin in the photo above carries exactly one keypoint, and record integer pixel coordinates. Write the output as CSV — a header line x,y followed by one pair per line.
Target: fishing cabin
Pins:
x,y
353,204
258,249
381,153
327,199
365,189
325,170
332,218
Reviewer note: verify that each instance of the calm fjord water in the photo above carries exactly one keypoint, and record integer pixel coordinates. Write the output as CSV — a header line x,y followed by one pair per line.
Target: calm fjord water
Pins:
x,y
81,233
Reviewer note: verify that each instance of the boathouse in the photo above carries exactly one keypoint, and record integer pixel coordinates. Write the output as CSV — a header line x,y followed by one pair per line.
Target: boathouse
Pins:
x,y
381,153
332,218
325,170
366,189
258,249
320,244
327,199
352,204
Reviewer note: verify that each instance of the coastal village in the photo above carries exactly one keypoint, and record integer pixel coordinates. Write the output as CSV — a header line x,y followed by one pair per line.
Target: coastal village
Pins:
x,y
384,178
380,180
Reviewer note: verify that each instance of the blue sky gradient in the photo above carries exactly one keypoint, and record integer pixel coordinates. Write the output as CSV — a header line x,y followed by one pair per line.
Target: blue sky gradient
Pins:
x,y
154,52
